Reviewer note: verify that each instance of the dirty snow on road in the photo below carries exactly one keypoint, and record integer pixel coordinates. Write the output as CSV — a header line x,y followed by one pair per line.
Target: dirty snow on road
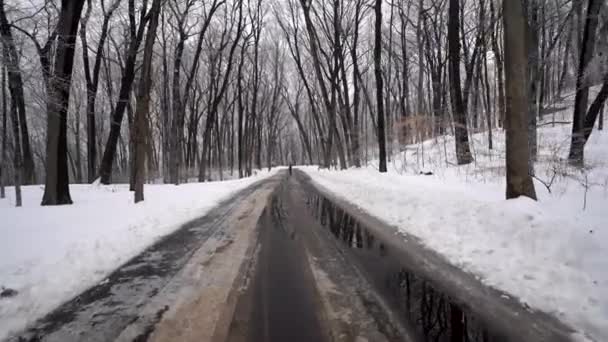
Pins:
x,y
551,254
50,254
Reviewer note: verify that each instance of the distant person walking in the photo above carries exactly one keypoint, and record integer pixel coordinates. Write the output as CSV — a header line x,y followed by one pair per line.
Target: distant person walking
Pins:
x,y
290,169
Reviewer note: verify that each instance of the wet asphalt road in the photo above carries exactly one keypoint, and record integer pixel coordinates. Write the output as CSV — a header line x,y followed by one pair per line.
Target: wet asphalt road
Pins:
x,y
285,300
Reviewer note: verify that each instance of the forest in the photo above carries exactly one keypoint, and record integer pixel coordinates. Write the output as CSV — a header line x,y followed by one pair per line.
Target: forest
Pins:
x,y
175,91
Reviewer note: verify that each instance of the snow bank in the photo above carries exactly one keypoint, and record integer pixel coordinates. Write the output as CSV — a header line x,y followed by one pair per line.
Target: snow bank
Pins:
x,y
552,254
50,254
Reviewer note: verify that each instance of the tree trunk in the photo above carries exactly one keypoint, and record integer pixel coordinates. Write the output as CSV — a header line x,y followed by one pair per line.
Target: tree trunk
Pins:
x,y
126,83
577,144
519,181
241,110
92,82
77,144
595,110
600,125
463,153
56,190
17,161
3,134
379,86
532,39
143,104
499,67
15,84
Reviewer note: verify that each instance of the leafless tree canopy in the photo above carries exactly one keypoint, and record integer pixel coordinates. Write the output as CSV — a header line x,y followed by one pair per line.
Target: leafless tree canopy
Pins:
x,y
181,90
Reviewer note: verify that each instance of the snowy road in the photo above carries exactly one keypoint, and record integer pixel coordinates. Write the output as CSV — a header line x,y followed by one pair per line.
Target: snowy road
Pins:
x,y
284,261
128,304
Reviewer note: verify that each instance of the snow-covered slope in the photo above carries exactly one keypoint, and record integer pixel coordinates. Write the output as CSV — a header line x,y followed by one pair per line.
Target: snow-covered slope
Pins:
x,y
50,254
552,254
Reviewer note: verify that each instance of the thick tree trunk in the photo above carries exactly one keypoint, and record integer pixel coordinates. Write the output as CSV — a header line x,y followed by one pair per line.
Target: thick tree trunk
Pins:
x,y
177,124
56,190
463,153
379,86
519,181
143,104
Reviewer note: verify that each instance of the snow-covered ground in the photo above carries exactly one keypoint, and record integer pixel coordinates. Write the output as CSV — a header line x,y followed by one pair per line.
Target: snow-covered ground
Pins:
x,y
552,254
50,254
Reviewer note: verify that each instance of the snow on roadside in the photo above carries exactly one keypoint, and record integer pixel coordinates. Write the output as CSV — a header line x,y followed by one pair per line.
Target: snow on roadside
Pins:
x,y
50,254
551,254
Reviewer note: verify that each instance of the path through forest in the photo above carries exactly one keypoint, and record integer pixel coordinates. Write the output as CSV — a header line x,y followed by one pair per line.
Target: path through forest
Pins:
x,y
285,261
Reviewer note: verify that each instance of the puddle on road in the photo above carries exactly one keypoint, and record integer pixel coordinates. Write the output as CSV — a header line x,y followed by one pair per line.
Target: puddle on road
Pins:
x,y
417,302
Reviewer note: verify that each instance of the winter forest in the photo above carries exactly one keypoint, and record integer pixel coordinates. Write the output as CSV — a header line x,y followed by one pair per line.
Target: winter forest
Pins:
x,y
439,166
178,90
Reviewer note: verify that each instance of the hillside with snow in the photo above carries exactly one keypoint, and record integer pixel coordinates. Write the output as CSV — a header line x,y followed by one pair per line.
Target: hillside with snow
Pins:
x,y
551,254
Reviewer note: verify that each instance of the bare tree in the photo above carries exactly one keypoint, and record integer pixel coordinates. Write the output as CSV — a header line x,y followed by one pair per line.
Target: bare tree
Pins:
x,y
379,86
92,79
136,35
519,181
56,189
461,135
15,84
583,120
582,90
143,104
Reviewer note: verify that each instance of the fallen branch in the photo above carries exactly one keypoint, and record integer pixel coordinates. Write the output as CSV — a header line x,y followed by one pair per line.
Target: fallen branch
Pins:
x,y
554,123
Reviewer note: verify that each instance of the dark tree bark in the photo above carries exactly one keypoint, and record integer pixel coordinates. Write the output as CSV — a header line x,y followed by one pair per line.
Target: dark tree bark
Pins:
x,y
17,161
143,104
379,86
463,153
3,134
519,181
532,39
577,144
241,112
600,125
356,86
595,110
56,190
15,84
499,67
404,100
